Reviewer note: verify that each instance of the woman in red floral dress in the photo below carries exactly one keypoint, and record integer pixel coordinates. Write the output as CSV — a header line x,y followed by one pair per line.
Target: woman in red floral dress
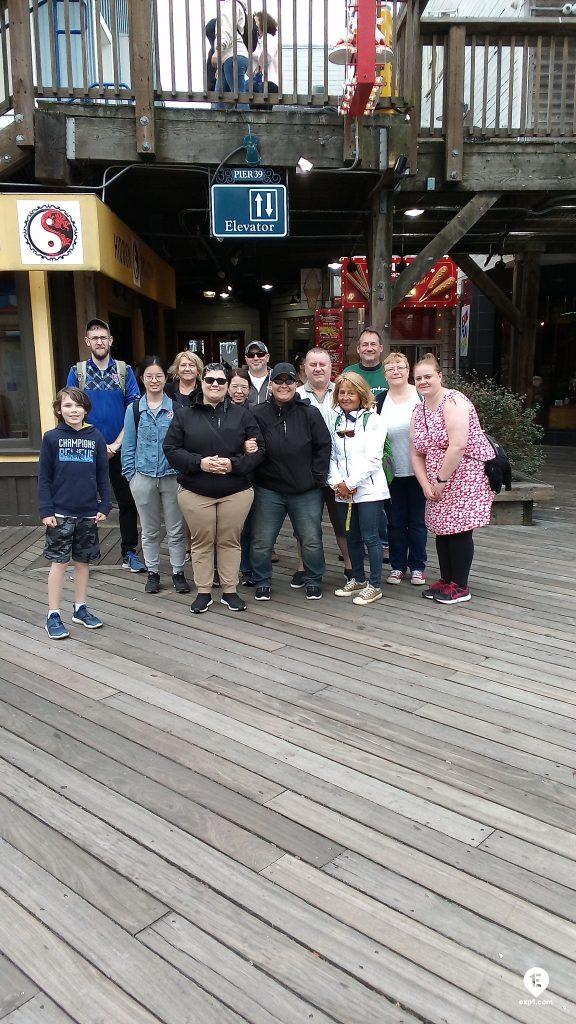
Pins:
x,y
449,451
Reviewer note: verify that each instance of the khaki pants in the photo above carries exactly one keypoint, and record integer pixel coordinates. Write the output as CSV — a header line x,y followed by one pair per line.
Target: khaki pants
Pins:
x,y
215,525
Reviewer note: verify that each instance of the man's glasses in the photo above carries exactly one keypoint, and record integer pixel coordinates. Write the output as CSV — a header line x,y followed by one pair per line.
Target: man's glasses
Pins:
x,y
215,380
255,355
98,337
283,380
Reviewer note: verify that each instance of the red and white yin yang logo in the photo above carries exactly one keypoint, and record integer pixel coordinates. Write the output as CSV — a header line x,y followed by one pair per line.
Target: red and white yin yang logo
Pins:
x,y
50,232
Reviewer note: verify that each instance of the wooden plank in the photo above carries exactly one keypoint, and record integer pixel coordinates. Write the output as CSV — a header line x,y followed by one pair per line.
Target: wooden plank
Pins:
x,y
476,895
39,1010
168,806
77,987
470,930
115,896
140,973
454,103
490,289
333,990
517,851
252,993
249,816
424,950
15,988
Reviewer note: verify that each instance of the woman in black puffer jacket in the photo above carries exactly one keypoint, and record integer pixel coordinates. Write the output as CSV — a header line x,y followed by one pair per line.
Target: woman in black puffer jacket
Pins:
x,y
215,445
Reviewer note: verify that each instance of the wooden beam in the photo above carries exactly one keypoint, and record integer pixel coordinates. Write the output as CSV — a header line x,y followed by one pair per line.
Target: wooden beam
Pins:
x,y
50,163
12,156
490,289
141,68
22,75
380,264
454,104
538,165
443,242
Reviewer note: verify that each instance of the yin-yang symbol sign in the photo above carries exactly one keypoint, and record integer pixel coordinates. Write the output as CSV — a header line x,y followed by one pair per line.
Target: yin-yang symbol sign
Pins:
x,y
50,232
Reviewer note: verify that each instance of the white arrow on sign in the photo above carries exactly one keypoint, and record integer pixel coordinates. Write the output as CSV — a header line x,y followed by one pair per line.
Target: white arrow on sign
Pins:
x,y
258,200
269,206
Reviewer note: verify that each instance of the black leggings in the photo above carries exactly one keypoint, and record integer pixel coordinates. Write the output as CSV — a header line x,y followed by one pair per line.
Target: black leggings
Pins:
x,y
455,554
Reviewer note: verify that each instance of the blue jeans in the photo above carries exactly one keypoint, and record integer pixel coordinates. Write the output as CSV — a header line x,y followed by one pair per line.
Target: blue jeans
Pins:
x,y
407,532
268,514
228,83
364,530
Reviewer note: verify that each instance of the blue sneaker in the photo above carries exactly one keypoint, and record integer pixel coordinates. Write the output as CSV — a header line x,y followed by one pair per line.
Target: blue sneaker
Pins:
x,y
132,562
55,627
86,618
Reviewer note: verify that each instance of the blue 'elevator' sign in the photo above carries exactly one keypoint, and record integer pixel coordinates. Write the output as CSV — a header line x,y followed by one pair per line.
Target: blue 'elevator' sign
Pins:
x,y
240,211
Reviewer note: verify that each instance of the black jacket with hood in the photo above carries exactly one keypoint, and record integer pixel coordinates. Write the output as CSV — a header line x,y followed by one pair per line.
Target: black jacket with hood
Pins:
x,y
298,446
201,430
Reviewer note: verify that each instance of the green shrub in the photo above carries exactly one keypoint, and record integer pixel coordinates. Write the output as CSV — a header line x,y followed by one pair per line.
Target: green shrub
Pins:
x,y
502,414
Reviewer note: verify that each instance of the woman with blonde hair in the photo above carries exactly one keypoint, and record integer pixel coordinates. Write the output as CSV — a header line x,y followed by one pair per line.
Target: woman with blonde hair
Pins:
x,y
407,533
359,482
449,452
185,373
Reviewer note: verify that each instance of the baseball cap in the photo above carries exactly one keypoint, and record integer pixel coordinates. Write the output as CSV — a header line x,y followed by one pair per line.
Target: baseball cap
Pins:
x,y
283,370
257,346
96,322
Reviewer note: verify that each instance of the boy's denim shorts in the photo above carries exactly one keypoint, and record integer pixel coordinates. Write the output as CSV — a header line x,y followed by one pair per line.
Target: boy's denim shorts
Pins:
x,y
73,540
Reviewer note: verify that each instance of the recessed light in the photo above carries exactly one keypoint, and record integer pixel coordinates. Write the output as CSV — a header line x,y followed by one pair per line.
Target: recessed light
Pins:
x,y
224,295
414,211
267,287
209,295
335,266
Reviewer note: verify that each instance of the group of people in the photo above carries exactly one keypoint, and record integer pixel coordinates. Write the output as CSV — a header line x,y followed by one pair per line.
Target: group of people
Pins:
x,y
224,456
230,53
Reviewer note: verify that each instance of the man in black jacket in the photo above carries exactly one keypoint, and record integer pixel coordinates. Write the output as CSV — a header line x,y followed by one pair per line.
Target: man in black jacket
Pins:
x,y
289,481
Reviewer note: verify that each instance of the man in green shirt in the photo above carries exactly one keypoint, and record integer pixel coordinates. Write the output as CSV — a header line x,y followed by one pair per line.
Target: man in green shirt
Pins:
x,y
369,365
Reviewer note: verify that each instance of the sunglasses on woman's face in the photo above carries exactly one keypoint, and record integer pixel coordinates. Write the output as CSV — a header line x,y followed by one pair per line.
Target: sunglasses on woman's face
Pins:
x,y
215,380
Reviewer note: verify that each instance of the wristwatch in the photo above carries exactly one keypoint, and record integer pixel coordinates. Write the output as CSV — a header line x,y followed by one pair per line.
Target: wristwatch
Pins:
x,y
438,480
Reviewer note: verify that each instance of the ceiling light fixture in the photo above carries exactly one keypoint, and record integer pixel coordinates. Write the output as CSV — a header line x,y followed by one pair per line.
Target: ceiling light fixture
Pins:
x,y
414,211
335,266
209,294
224,295
267,287
304,165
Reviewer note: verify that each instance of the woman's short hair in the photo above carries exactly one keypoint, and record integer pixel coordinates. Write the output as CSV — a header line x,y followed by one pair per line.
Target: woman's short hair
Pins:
x,y
147,362
216,366
78,396
240,371
429,360
173,368
396,357
268,23
360,386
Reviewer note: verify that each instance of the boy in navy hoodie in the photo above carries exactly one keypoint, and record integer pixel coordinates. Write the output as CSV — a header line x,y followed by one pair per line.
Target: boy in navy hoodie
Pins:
x,y
74,496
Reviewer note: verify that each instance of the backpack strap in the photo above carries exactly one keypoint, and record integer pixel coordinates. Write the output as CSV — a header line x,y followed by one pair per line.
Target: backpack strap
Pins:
x,y
81,374
136,413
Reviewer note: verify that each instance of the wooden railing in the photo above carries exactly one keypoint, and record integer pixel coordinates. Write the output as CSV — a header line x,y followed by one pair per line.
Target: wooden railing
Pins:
x,y
85,49
512,78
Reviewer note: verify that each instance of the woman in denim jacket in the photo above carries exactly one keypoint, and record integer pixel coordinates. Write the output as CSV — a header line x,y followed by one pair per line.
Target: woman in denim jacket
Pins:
x,y
152,480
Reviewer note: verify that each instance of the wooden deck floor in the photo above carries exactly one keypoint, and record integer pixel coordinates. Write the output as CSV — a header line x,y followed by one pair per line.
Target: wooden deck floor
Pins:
x,y
307,813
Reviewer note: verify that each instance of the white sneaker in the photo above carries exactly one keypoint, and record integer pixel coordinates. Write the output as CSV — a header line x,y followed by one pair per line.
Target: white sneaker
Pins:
x,y
396,576
349,588
417,578
368,595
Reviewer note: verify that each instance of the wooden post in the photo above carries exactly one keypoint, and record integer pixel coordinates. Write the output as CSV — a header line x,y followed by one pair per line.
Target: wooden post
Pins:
x,y
523,346
454,103
380,264
141,69
43,352
22,77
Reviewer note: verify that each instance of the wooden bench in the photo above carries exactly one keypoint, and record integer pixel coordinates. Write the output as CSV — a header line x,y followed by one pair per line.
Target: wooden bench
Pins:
x,y
515,507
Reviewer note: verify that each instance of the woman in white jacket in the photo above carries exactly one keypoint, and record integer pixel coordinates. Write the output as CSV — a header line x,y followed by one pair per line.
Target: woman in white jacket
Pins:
x,y
231,49
359,482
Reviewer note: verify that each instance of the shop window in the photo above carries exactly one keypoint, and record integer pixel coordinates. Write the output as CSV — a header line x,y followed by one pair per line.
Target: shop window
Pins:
x,y
18,412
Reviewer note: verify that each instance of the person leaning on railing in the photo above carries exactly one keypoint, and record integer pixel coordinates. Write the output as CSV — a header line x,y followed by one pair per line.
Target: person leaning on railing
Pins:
x,y
231,50
265,56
